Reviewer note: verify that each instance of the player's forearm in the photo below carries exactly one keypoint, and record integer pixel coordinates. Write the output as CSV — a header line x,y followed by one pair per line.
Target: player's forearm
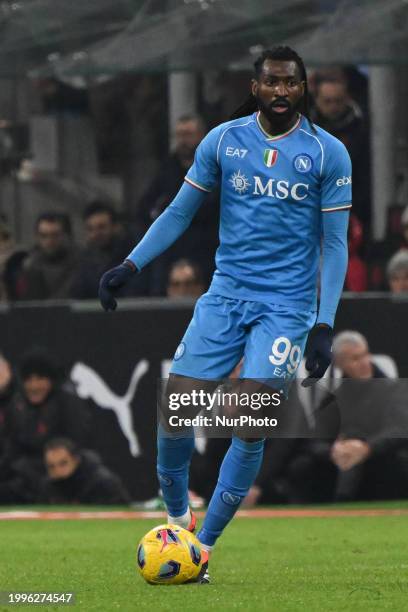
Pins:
x,y
169,226
334,265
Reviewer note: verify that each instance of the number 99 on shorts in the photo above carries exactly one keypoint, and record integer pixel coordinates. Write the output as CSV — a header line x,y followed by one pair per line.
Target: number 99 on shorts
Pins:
x,y
285,356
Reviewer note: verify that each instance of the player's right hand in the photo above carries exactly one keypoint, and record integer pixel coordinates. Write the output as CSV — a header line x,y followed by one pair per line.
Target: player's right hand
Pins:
x,y
112,281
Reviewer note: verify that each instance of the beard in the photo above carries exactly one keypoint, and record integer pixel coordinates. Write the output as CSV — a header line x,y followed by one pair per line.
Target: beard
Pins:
x,y
275,118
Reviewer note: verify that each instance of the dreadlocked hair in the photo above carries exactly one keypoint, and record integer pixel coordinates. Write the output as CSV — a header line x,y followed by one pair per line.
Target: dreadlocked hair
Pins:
x,y
284,54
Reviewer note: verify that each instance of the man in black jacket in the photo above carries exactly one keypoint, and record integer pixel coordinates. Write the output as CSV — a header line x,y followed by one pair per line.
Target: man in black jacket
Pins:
x,y
107,245
49,269
336,112
41,410
200,242
78,477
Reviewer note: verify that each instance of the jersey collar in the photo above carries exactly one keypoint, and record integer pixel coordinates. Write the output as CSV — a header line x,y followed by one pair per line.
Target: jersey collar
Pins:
x,y
278,136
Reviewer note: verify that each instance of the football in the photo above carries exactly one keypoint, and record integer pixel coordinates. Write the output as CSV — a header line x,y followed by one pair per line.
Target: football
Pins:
x,y
169,554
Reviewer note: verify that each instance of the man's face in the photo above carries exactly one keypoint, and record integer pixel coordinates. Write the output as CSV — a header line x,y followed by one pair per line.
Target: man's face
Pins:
x,y
355,361
278,90
183,283
37,388
60,463
100,230
399,282
188,135
332,100
51,238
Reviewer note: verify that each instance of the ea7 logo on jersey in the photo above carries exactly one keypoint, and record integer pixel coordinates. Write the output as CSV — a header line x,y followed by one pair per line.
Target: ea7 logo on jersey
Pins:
x,y
342,182
233,152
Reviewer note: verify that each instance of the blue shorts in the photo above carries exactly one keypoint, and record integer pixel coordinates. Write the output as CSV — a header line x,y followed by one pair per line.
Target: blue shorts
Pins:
x,y
271,339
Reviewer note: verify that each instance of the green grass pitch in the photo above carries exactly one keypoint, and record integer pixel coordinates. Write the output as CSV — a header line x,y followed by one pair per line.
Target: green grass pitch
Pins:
x,y
280,564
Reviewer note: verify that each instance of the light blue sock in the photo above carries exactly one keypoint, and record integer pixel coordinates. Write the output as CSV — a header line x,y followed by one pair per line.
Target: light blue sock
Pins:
x,y
173,463
238,471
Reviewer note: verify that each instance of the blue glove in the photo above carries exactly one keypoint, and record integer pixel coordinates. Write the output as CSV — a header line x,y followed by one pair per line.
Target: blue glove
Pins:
x,y
112,281
319,354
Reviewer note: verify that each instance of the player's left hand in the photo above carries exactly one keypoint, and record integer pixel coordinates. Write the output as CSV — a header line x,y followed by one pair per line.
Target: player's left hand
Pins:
x,y
319,354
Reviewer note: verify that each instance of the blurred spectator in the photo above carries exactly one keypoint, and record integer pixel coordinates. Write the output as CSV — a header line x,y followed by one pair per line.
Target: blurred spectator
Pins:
x,y
396,237
189,132
357,274
42,409
354,79
379,253
201,238
7,249
404,229
185,280
13,278
397,272
48,270
351,354
107,245
78,477
7,387
336,112
360,448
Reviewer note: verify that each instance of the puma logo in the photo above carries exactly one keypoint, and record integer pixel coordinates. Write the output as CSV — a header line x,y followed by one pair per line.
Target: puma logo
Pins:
x,y
89,384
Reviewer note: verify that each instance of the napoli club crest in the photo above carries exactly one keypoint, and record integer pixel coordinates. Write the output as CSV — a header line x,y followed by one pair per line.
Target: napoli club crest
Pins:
x,y
230,499
303,163
180,351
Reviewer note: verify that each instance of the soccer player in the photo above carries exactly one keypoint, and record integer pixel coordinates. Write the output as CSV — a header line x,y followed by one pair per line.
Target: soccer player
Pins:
x,y
285,200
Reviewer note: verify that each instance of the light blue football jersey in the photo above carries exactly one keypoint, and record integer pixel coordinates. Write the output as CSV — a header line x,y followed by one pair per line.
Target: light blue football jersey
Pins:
x,y
274,191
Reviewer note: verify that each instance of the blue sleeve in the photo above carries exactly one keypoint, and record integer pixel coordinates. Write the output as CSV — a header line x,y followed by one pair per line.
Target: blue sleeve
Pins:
x,y
205,171
336,177
334,264
169,226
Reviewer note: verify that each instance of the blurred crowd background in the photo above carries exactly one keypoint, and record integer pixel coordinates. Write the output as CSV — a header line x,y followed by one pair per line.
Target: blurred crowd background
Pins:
x,y
101,110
